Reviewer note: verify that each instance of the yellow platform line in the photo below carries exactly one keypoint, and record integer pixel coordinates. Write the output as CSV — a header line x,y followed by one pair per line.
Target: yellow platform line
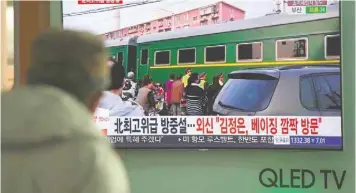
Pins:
x,y
277,63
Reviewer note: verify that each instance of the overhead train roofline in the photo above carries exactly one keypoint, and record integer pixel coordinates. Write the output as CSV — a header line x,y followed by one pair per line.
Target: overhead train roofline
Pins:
x,y
265,21
121,42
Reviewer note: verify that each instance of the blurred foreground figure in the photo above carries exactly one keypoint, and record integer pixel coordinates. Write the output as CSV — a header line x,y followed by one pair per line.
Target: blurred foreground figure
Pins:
x,y
112,99
49,141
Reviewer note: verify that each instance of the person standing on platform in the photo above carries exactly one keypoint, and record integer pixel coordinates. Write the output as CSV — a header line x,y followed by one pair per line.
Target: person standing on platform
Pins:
x,y
168,91
203,83
134,86
177,95
221,79
195,96
49,141
185,78
145,96
212,91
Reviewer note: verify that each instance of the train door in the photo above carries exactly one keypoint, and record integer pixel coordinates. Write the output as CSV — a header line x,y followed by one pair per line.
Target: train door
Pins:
x,y
143,61
120,57
131,59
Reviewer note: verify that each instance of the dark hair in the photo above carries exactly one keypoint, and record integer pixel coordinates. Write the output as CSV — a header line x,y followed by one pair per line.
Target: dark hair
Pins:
x,y
139,83
171,76
216,78
202,74
117,75
147,80
188,69
193,77
147,77
68,60
179,77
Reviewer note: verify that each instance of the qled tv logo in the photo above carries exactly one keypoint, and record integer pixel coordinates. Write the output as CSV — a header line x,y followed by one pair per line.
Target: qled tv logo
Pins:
x,y
98,2
301,178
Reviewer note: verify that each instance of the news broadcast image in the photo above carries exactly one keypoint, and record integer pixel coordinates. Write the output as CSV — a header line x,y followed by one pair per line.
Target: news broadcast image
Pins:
x,y
208,74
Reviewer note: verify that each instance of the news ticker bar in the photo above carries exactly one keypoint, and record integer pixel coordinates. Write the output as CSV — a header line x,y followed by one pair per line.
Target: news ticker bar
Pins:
x,y
223,141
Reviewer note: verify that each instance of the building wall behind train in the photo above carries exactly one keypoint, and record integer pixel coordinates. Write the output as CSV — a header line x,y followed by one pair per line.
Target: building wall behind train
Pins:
x,y
219,12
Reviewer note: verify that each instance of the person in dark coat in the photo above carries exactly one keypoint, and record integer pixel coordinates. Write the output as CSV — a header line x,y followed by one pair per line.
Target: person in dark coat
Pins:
x,y
195,96
212,91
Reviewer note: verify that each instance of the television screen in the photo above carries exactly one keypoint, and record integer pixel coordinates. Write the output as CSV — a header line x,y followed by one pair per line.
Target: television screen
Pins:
x,y
220,74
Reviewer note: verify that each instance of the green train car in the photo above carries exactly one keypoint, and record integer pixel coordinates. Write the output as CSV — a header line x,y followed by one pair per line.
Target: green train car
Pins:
x,y
265,41
124,51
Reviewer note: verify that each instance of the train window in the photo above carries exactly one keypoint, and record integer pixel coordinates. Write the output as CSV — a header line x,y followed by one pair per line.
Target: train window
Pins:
x,y
215,54
162,57
144,56
186,56
120,57
249,51
292,49
332,46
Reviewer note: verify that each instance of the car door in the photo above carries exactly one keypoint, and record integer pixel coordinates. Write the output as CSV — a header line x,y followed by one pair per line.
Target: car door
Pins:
x,y
328,93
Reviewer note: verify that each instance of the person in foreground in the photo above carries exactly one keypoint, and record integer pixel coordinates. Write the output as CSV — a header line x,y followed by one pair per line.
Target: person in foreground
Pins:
x,y
49,141
112,100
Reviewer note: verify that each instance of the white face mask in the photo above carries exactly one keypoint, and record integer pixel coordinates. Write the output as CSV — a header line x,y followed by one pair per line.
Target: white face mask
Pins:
x,y
221,82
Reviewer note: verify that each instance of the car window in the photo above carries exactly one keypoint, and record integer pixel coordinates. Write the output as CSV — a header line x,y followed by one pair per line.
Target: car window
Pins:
x,y
248,93
334,82
307,97
327,89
